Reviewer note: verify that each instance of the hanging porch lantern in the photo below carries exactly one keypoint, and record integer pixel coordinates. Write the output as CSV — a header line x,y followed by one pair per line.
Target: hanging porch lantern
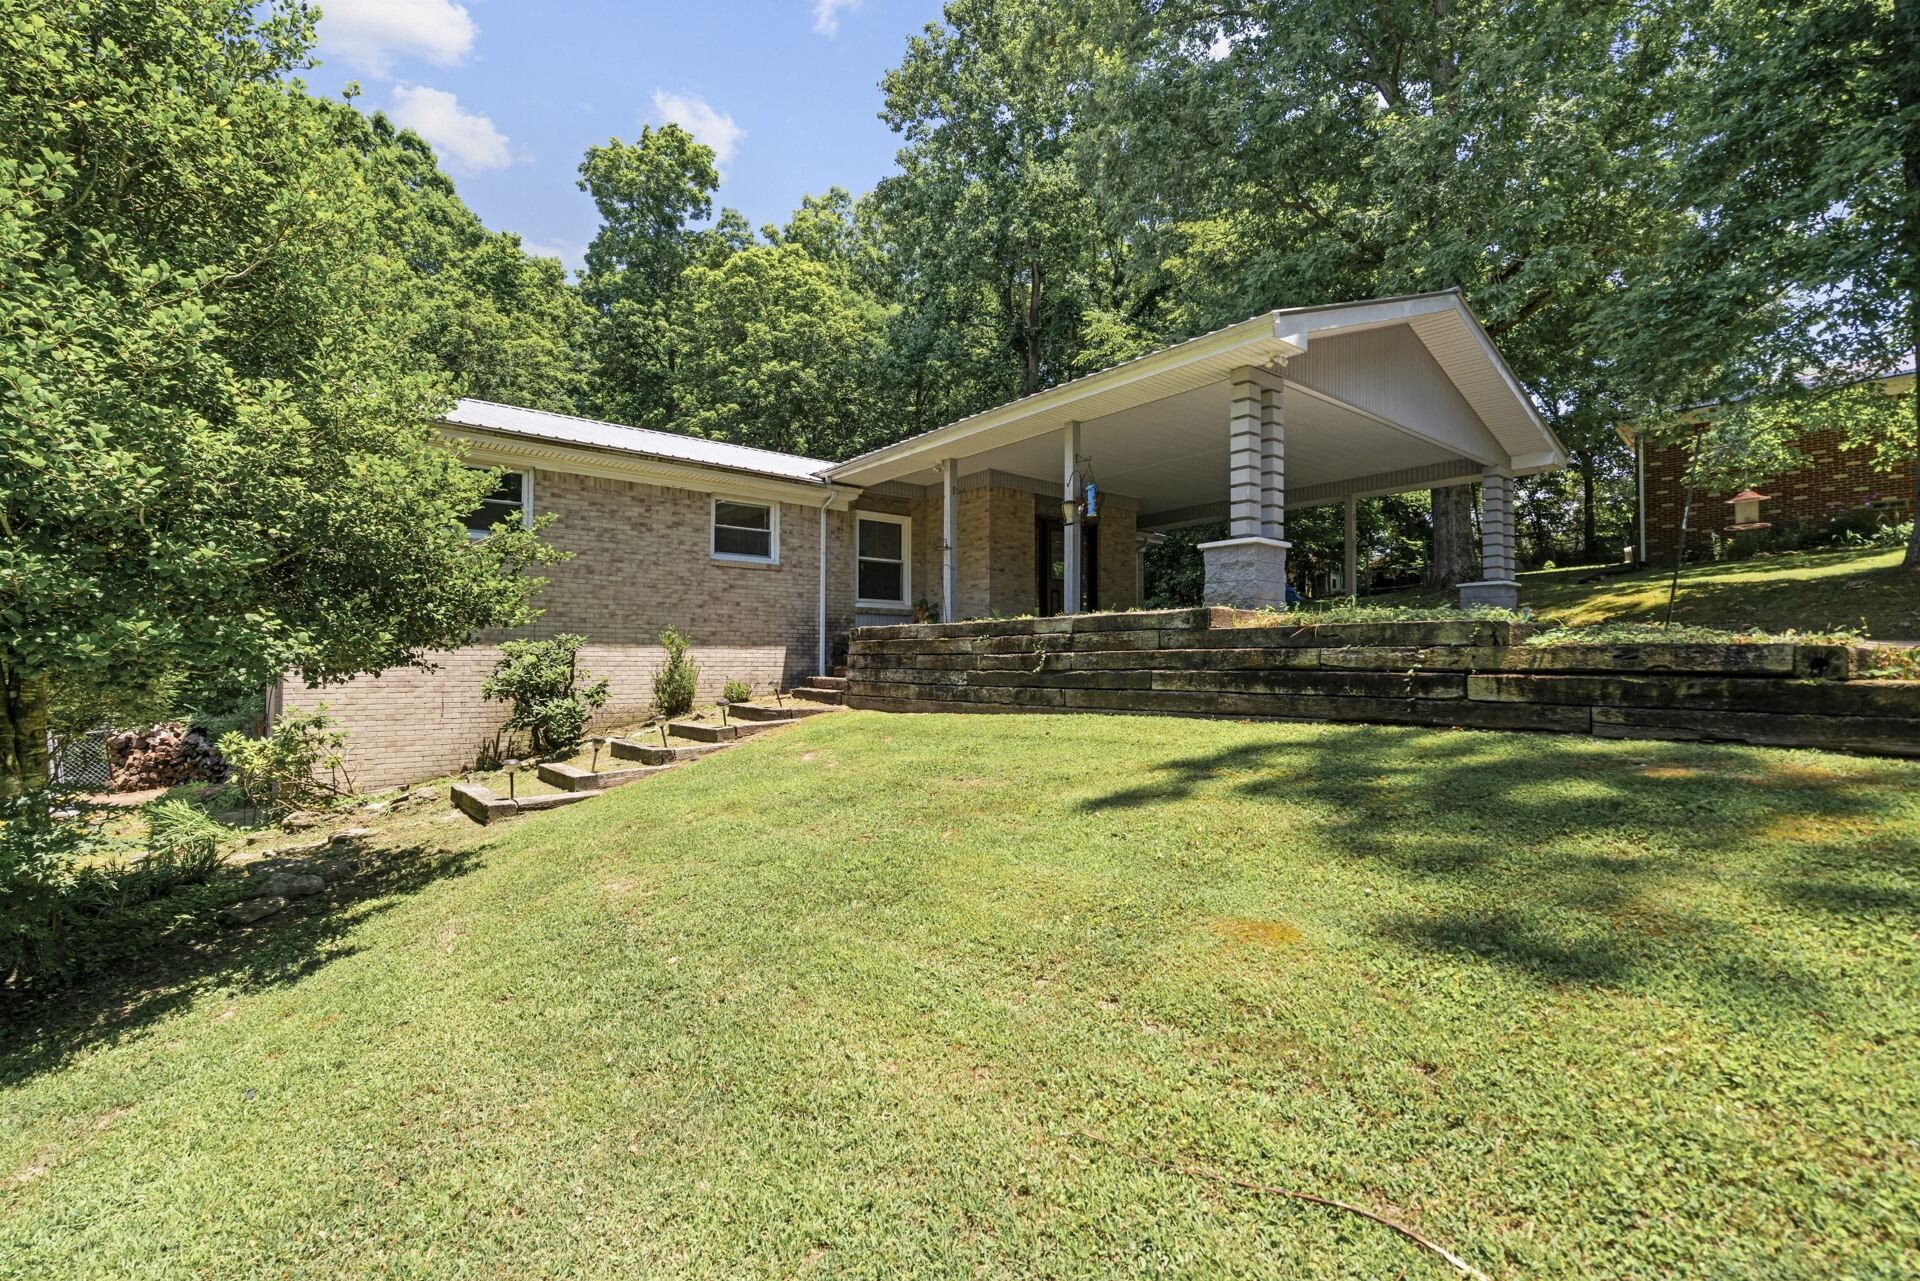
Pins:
x,y
1746,510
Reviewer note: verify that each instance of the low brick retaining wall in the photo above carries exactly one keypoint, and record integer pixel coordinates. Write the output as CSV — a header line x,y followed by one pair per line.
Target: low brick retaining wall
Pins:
x,y
1223,662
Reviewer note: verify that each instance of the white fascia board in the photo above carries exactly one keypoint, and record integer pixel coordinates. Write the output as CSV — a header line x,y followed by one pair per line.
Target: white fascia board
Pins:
x,y
487,449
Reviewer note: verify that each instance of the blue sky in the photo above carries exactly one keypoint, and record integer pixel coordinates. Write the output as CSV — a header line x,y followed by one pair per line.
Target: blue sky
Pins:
x,y
512,92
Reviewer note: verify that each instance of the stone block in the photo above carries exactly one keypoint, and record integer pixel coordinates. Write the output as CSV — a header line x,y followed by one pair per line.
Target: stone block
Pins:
x,y
1246,573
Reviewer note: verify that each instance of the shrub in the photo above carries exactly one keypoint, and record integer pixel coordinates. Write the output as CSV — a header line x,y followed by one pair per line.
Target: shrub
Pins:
x,y
736,691
541,679
674,684
64,913
284,769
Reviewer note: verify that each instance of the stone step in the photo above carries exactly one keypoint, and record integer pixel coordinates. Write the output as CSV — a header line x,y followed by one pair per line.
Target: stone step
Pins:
x,y
628,749
828,682
840,671
571,778
773,712
817,695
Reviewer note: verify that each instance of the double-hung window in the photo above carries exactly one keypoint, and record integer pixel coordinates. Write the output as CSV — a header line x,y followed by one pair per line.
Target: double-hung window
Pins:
x,y
881,573
511,500
746,532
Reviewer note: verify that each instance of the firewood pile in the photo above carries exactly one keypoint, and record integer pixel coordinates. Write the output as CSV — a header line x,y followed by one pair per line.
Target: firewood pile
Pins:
x,y
161,756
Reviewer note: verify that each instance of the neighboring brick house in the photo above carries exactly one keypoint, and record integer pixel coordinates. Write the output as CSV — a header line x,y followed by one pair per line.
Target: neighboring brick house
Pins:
x,y
1831,482
766,560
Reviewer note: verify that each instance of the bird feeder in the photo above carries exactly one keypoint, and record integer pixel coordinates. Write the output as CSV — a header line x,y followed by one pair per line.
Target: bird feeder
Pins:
x,y
1746,510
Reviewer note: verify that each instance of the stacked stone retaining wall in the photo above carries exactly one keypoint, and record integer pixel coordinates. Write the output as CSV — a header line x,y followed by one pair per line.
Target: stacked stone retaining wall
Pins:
x,y
1223,662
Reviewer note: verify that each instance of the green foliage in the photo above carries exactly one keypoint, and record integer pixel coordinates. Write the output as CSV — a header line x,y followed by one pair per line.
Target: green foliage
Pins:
x,y
541,679
216,444
1680,634
649,194
68,909
736,691
675,684
779,354
301,762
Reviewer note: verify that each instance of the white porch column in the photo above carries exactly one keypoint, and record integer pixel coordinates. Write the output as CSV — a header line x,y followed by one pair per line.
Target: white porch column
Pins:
x,y
949,539
1070,596
1497,586
1273,464
1248,568
1350,561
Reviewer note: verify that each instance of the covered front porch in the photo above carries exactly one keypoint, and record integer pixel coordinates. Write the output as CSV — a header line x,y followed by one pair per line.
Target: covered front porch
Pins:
x,y
1042,505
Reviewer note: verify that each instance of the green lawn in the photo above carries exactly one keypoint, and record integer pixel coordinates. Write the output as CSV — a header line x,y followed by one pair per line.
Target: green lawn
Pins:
x,y
848,999
1863,591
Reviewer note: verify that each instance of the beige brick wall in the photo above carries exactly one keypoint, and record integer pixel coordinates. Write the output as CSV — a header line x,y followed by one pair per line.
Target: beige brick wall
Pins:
x,y
642,563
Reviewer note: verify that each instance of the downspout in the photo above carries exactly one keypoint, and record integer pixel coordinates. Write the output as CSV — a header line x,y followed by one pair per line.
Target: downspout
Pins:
x,y
820,658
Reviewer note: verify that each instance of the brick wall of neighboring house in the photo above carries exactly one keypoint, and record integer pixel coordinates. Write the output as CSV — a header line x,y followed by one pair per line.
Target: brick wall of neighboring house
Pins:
x,y
642,563
1831,481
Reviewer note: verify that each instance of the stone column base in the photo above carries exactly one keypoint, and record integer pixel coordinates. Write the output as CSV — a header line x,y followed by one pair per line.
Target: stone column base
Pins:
x,y
1246,573
1496,593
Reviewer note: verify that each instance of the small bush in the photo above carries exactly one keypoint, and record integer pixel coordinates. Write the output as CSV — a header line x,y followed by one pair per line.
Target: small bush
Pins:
x,y
541,679
65,914
675,683
736,691
300,763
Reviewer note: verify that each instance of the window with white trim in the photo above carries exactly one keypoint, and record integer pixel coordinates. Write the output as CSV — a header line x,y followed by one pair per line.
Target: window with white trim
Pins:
x,y
881,546
746,531
514,494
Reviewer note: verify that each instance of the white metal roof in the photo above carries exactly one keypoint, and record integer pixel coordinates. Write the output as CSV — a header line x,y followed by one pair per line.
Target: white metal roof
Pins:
x,y
566,429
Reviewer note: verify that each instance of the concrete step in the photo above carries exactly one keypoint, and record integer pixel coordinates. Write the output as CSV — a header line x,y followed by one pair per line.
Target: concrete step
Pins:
x,y
817,695
574,779
629,749
772,712
701,732
828,682
484,806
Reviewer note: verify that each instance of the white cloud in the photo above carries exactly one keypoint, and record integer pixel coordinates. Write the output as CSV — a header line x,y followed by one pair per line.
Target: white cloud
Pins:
x,y
826,14
470,141
372,33
714,128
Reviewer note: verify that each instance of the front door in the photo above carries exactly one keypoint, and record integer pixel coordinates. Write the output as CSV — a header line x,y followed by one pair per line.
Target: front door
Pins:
x,y
1050,566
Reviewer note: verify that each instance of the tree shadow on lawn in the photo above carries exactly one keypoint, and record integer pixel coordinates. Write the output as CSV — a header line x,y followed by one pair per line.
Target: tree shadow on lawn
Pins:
x,y
41,1030
1569,866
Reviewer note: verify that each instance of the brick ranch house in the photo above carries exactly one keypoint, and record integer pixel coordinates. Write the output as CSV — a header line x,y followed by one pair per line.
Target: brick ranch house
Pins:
x,y
1040,506
1832,482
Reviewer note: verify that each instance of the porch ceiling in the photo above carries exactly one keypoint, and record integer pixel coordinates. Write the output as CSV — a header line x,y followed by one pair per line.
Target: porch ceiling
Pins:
x,y
1392,394
1172,453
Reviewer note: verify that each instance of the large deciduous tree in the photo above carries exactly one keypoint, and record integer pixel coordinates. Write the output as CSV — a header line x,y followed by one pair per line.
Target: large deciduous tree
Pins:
x,y
216,452
780,353
1283,152
652,195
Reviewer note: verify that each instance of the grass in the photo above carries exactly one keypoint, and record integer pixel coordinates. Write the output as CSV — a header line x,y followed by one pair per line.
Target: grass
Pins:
x,y
848,1000
1839,591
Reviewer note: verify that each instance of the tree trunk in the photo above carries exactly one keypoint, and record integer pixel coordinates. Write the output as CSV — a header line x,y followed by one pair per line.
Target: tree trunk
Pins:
x,y
1454,560
1907,18
23,733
